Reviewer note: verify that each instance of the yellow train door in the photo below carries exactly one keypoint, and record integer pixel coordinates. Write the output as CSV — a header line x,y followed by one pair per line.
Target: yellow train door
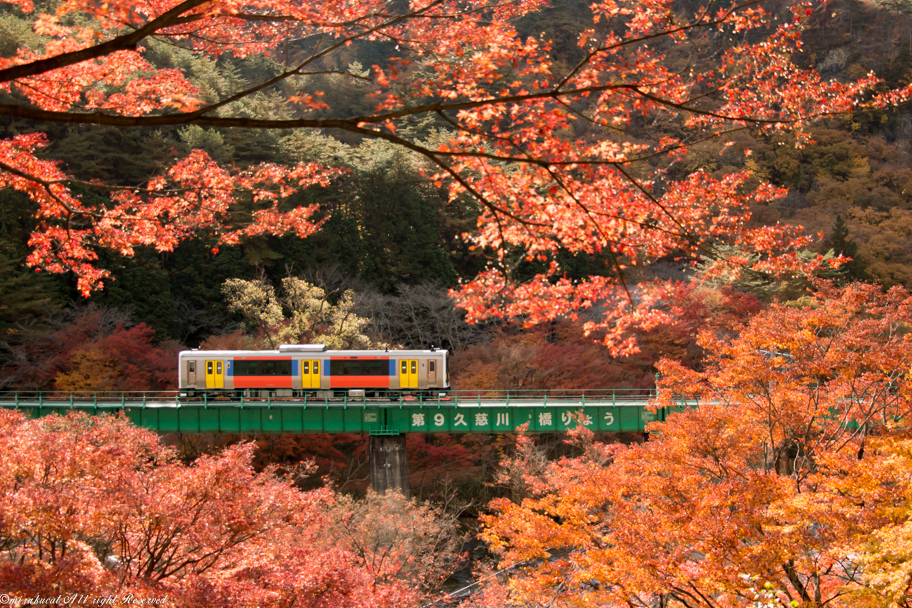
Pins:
x,y
215,374
310,374
408,373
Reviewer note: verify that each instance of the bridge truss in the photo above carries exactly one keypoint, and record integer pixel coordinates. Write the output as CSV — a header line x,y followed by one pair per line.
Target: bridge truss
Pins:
x,y
458,412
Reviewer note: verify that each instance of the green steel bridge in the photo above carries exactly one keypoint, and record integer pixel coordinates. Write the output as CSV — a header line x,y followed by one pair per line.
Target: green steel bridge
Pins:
x,y
608,410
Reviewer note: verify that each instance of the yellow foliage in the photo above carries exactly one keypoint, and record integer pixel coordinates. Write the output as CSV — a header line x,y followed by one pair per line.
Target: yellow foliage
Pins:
x,y
91,370
301,314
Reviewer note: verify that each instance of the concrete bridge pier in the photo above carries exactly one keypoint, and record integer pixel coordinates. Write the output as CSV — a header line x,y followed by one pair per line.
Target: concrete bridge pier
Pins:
x,y
388,464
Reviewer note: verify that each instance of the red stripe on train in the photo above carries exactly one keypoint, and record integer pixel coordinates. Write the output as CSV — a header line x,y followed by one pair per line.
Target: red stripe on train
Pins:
x,y
359,381
262,381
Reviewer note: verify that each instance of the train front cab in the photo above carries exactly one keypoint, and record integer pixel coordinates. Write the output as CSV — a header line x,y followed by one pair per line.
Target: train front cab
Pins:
x,y
199,372
420,372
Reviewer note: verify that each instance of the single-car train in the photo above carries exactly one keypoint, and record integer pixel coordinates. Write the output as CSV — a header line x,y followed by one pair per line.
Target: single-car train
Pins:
x,y
299,370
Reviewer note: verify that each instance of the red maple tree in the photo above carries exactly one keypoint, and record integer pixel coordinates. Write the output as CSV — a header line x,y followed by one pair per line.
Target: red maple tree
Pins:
x,y
97,506
509,107
93,351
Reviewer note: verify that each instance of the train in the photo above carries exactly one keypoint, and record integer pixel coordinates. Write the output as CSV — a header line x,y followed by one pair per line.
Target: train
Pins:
x,y
301,370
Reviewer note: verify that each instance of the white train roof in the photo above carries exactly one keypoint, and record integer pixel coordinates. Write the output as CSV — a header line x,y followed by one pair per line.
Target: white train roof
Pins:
x,y
301,353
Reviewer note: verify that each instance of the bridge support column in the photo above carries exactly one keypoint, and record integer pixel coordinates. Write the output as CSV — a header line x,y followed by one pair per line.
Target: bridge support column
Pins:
x,y
388,464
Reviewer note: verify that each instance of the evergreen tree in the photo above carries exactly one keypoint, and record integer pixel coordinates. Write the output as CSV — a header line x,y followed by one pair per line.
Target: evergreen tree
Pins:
x,y
24,295
196,276
140,285
399,225
840,244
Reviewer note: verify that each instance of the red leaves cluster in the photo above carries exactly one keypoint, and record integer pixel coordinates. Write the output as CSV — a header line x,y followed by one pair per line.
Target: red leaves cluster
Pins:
x,y
534,360
400,540
567,355
195,195
91,353
630,228
99,507
842,355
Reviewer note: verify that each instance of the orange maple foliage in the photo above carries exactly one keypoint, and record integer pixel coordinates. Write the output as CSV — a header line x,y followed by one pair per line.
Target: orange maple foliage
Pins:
x,y
508,105
96,506
787,486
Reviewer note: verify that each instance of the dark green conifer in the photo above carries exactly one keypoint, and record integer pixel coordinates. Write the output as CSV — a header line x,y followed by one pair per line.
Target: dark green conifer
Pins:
x,y
840,244
25,295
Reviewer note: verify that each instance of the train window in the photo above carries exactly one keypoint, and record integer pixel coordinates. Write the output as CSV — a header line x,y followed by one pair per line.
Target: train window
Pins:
x,y
281,367
414,367
208,367
404,367
191,367
267,367
374,367
306,368
364,367
218,367
431,366
245,368
316,367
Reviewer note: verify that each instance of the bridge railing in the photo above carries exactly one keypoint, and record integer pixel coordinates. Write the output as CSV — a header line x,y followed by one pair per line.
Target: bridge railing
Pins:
x,y
86,398
255,398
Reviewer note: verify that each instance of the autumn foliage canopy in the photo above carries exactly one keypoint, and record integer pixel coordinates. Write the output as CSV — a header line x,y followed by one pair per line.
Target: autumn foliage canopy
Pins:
x,y
90,350
787,486
507,106
96,506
